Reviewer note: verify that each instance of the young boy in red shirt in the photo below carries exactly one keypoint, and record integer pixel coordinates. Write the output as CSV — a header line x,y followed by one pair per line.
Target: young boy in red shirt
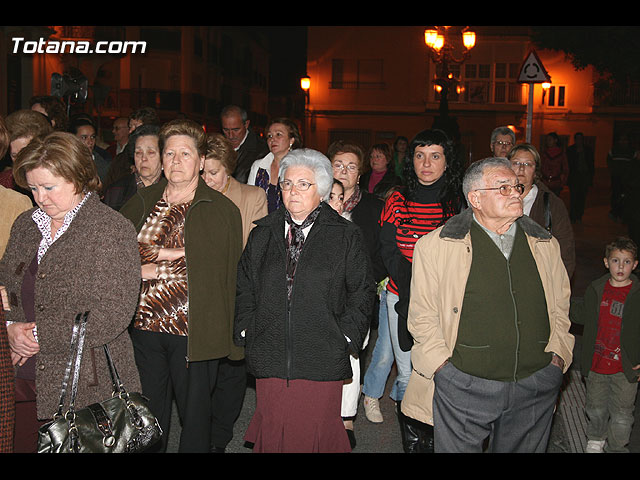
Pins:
x,y
610,358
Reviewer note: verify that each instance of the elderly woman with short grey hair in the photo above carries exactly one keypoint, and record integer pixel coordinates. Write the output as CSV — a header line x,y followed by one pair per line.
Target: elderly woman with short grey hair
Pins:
x,y
304,295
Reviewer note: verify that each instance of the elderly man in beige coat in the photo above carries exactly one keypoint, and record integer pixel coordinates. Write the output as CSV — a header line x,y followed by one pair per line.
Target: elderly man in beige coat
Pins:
x,y
489,316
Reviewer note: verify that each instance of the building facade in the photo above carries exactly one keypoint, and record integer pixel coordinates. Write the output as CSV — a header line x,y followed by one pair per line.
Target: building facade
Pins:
x,y
371,84
179,70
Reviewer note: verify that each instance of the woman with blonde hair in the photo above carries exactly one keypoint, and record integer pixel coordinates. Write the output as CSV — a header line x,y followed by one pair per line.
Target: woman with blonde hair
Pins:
x,y
70,255
219,165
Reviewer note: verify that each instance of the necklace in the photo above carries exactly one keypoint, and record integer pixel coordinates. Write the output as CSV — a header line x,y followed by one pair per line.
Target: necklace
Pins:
x,y
226,187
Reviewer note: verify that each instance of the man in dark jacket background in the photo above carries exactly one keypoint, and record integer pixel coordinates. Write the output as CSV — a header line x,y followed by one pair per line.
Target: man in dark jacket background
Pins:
x,y
249,145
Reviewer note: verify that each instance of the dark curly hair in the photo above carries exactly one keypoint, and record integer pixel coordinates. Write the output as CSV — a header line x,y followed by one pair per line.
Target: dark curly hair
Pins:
x,y
451,197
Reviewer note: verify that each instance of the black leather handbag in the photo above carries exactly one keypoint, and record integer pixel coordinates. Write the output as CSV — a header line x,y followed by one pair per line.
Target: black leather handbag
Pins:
x,y
121,424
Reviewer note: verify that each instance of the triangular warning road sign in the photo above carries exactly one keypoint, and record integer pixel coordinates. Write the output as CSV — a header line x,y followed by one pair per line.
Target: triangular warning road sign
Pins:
x,y
532,70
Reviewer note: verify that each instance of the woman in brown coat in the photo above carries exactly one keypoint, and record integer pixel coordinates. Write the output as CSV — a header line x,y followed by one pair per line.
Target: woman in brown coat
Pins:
x,y
71,254
541,204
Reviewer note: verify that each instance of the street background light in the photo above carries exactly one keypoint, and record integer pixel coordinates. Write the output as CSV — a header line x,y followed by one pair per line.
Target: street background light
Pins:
x,y
305,84
447,46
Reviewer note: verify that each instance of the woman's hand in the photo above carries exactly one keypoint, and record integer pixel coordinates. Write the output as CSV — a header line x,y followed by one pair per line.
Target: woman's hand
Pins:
x,y
22,342
149,271
170,254
16,359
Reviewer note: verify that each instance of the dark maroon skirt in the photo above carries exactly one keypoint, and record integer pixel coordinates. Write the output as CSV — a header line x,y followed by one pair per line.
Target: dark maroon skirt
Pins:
x,y
298,416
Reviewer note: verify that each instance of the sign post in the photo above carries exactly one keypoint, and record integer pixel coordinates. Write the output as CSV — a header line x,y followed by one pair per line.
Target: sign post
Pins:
x,y
532,72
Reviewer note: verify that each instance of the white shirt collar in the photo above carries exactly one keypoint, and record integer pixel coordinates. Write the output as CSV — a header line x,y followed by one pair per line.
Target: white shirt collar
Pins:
x,y
43,222
245,137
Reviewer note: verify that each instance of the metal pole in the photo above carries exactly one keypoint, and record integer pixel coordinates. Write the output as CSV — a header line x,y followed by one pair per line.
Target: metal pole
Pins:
x,y
530,112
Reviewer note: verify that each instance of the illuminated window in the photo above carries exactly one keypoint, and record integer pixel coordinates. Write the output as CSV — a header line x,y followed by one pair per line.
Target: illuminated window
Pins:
x,y
556,96
477,80
506,86
485,83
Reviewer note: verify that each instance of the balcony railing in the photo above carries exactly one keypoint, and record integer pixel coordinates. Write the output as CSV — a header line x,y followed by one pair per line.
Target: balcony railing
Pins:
x,y
617,95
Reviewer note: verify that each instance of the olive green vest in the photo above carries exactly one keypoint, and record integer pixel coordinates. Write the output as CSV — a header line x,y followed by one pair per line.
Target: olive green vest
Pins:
x,y
504,324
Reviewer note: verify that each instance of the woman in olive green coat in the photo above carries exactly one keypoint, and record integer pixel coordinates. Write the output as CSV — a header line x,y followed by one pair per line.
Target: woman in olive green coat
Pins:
x,y
190,241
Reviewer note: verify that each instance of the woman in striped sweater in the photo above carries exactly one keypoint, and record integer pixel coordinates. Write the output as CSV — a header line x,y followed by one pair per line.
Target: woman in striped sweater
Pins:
x,y
431,195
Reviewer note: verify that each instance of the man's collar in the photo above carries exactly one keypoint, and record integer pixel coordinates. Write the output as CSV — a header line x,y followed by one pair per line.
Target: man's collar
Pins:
x,y
243,140
458,226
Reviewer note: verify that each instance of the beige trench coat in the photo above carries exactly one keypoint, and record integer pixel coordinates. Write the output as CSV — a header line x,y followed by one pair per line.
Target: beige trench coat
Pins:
x,y
441,265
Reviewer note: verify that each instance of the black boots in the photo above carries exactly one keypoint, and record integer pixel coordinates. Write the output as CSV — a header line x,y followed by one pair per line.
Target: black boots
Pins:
x,y
417,437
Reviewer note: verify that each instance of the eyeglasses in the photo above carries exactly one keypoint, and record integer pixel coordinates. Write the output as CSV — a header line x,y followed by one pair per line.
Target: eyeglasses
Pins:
x,y
352,167
505,189
504,144
516,164
301,186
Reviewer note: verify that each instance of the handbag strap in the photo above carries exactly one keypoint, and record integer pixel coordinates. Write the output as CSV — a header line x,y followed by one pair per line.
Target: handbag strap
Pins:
x,y
118,387
547,212
75,359
119,390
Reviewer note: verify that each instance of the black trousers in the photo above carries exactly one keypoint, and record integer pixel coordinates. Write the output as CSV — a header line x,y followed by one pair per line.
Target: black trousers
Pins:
x,y
578,200
228,396
165,374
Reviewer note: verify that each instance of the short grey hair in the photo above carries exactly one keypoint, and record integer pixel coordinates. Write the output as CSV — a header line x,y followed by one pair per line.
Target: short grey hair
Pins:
x,y
314,160
475,173
502,131
234,109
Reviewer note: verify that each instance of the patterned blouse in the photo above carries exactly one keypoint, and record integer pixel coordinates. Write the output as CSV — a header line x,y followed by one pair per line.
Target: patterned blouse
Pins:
x,y
43,222
274,194
164,301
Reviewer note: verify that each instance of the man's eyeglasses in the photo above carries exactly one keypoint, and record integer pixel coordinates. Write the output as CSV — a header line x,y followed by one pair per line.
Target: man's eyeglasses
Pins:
x,y
505,189
503,144
301,186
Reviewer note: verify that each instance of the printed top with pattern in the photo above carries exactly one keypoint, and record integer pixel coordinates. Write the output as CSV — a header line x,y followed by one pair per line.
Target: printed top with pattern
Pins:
x,y
607,354
164,301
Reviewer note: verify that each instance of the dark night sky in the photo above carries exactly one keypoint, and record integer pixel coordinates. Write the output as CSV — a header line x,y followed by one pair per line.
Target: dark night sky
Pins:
x,y
288,57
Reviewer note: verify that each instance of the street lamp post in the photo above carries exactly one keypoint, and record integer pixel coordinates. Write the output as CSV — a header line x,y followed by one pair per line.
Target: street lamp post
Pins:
x,y
305,84
443,43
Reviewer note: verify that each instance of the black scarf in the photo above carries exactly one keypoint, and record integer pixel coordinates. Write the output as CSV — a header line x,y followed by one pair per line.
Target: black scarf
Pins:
x,y
295,241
